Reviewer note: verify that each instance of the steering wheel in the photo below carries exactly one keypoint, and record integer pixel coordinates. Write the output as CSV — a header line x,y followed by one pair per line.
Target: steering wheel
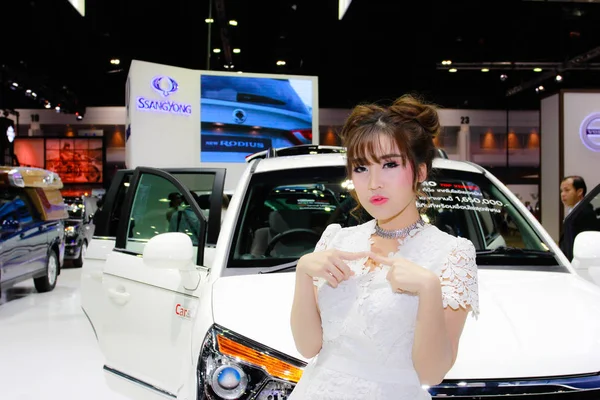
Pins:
x,y
287,234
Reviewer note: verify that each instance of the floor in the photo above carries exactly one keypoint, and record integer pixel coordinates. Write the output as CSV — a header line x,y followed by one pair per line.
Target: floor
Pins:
x,y
48,350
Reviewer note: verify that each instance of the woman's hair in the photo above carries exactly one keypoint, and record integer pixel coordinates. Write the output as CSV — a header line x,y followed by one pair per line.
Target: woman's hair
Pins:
x,y
409,122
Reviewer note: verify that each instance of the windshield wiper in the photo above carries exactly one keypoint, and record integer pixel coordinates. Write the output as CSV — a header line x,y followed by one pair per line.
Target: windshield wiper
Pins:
x,y
279,268
504,250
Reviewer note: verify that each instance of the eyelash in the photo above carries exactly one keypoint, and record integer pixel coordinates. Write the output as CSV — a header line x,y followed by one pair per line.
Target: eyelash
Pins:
x,y
391,164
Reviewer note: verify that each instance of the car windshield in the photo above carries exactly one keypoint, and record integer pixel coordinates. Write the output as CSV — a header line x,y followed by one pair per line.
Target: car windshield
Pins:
x,y
276,93
285,213
75,207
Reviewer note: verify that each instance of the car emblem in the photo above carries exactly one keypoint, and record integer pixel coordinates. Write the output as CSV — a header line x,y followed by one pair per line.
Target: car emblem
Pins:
x,y
165,85
239,116
589,132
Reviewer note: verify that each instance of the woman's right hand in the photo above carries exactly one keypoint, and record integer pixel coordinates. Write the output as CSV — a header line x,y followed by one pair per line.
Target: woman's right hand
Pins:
x,y
329,265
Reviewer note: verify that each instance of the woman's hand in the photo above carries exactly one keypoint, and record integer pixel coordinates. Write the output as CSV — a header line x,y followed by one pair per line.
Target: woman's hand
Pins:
x,y
329,264
406,276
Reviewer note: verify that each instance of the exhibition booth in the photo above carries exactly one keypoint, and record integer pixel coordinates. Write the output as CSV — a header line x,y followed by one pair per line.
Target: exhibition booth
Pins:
x,y
570,122
179,117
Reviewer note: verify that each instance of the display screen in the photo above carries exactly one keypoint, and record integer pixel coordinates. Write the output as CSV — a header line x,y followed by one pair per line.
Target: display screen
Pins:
x,y
75,160
244,115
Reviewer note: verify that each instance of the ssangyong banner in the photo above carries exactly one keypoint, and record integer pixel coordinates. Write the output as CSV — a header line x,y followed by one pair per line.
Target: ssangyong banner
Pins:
x,y
241,115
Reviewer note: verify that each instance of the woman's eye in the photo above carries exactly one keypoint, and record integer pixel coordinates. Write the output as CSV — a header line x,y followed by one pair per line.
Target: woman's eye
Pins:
x,y
359,169
391,164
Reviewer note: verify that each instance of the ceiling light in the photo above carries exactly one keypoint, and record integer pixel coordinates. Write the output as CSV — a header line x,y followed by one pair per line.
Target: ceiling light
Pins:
x,y
233,22
237,51
240,72
537,70
57,108
280,62
209,20
446,62
452,70
503,77
48,105
485,70
558,78
115,61
216,50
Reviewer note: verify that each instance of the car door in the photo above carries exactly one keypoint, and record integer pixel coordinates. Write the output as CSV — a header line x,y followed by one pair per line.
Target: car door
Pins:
x,y
106,220
31,247
147,313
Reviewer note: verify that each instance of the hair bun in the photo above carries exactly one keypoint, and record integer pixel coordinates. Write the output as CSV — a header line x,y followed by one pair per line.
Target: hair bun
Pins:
x,y
410,108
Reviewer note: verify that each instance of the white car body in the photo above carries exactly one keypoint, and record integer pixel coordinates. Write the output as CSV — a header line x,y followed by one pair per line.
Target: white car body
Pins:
x,y
151,317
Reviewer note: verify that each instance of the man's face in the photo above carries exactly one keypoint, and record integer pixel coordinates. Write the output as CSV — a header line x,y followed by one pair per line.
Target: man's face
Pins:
x,y
568,195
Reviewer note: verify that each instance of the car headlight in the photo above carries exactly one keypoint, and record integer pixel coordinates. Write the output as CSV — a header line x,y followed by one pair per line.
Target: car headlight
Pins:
x,y
233,367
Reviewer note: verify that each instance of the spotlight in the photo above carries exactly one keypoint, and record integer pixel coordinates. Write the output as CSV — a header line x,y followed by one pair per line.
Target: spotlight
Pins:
x,y
558,78
503,77
57,108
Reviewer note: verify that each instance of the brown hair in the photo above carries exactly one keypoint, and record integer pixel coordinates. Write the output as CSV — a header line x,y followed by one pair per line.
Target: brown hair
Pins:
x,y
409,122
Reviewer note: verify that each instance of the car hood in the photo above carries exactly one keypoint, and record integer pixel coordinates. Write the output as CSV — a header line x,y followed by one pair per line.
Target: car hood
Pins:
x,y
531,324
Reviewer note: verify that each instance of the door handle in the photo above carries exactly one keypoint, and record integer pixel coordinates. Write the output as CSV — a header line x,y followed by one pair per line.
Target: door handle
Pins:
x,y
120,297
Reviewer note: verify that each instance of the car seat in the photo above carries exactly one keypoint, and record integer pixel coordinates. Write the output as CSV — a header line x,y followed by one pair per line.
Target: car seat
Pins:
x,y
279,222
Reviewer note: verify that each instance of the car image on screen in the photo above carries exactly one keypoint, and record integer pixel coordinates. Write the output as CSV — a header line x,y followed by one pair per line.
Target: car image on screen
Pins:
x,y
243,115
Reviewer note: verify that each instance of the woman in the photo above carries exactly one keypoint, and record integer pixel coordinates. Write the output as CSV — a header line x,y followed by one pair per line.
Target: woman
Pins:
x,y
382,305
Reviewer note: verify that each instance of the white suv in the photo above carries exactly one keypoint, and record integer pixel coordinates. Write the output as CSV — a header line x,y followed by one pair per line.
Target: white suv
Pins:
x,y
186,308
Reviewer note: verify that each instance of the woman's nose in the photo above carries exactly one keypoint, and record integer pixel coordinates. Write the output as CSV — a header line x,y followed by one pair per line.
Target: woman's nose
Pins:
x,y
374,180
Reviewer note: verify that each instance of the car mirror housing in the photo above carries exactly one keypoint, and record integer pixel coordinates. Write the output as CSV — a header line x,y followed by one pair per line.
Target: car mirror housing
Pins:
x,y
175,251
586,254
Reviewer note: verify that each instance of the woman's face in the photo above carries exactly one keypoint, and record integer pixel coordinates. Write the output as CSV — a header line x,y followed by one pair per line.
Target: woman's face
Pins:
x,y
384,189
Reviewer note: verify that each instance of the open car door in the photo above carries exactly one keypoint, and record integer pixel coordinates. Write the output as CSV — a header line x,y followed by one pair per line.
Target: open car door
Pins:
x,y
150,297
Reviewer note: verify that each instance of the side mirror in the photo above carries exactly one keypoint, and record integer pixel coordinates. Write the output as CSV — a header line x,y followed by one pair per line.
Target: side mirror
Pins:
x,y
586,255
173,251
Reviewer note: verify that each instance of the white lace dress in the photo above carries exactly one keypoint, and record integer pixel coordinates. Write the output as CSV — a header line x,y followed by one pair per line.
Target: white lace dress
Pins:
x,y
368,329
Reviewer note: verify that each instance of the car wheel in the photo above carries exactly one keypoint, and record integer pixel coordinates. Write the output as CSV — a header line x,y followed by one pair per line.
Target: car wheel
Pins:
x,y
47,282
78,263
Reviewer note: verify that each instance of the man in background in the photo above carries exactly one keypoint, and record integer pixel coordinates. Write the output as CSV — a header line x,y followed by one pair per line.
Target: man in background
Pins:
x,y
572,191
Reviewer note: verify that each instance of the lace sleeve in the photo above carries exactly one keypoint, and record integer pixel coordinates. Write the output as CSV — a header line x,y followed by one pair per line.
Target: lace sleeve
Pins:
x,y
459,278
324,244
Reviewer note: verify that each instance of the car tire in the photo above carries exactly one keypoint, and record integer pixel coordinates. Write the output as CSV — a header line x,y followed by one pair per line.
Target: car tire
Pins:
x,y
47,282
78,262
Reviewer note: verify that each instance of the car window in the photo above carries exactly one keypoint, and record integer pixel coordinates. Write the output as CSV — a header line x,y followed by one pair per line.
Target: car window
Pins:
x,y
285,213
114,215
275,93
14,205
160,207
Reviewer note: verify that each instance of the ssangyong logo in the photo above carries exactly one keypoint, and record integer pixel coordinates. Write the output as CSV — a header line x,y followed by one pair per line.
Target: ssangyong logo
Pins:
x,y
589,131
166,86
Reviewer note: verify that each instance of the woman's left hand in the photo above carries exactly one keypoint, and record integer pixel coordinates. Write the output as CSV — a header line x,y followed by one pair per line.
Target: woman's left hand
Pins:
x,y
406,276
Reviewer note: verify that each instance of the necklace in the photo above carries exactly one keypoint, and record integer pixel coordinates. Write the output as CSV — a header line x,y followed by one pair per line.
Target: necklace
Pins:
x,y
397,233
